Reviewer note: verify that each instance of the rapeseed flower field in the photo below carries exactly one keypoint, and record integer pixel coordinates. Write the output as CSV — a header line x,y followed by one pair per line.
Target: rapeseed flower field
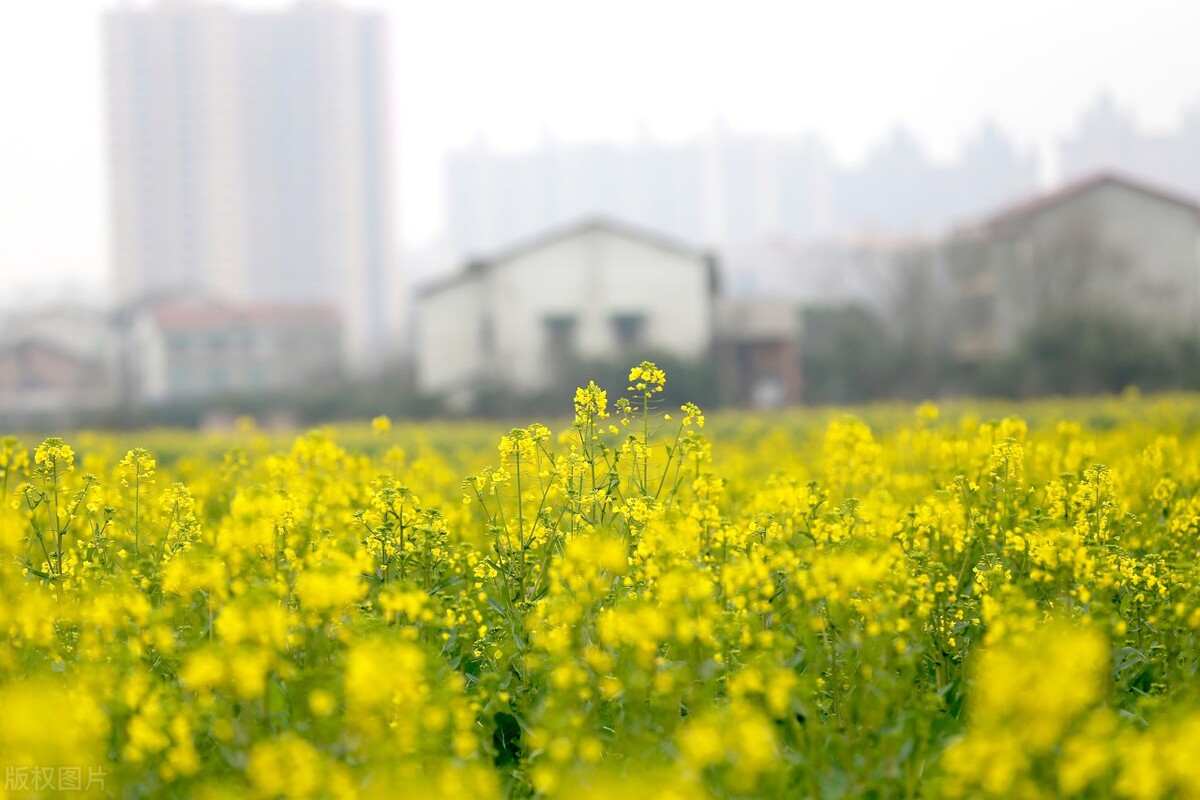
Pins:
x,y
932,603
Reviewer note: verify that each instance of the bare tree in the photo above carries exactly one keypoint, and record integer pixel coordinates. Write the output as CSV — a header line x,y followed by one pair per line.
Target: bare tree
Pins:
x,y
1071,272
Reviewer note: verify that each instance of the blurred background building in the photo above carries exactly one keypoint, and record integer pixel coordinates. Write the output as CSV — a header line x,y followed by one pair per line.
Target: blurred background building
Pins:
x,y
251,158
1108,140
184,350
726,190
1105,245
597,291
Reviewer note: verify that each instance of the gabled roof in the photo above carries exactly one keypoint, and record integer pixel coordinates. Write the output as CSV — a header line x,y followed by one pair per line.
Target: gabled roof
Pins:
x,y
553,236
28,344
191,316
1036,205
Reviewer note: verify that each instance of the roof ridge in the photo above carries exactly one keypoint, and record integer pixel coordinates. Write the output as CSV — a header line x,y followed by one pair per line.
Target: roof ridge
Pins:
x,y
1072,189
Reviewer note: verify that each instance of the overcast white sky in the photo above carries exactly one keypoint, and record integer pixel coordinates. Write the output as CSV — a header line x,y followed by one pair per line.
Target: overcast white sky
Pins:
x,y
850,70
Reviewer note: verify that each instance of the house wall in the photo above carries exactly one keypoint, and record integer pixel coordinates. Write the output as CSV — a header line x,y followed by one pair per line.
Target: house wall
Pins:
x,y
147,353
450,348
187,362
591,278
1111,248
39,382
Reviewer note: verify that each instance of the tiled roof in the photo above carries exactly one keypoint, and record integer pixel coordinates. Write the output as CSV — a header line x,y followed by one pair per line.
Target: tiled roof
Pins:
x,y
475,266
180,315
1033,206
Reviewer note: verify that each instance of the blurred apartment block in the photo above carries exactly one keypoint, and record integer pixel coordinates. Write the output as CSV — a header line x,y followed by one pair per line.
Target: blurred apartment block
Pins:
x,y
827,272
604,291
250,158
1106,243
607,291
597,290
726,190
1108,140
729,191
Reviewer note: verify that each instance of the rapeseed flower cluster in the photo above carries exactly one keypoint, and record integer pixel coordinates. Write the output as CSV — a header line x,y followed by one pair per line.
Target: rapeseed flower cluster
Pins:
x,y
939,603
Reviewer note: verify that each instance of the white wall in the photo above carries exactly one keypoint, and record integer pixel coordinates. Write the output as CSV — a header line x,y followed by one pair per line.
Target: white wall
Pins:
x,y
1111,247
591,276
448,330
1145,259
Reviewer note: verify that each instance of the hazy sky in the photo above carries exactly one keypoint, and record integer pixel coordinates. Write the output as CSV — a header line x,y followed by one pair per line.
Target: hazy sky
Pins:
x,y
514,69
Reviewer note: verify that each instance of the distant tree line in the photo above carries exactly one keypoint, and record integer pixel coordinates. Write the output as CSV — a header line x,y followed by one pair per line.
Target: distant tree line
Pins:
x,y
851,357
394,393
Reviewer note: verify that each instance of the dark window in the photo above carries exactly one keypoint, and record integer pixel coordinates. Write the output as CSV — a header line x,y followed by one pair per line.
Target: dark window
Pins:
x,y
628,329
180,379
487,336
978,312
560,338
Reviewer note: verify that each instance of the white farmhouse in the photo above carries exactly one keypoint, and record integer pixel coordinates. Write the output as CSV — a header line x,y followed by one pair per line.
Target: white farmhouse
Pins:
x,y
599,290
1106,244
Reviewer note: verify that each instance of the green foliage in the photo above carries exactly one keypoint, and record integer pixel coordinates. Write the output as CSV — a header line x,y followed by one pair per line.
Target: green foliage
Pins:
x,y
1091,353
694,381
847,357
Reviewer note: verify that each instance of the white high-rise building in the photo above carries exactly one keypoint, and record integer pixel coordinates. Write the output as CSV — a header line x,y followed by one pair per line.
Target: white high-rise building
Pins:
x,y
251,158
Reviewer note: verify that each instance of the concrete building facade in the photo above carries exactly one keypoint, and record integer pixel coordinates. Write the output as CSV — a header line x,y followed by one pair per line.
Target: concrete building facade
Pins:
x,y
597,290
1105,244
250,157
1108,139
185,351
727,190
